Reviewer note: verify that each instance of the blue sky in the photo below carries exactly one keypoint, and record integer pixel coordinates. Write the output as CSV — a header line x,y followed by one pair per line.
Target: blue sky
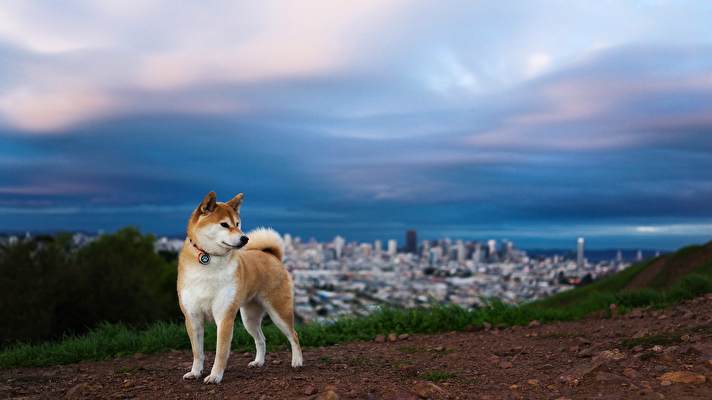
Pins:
x,y
535,121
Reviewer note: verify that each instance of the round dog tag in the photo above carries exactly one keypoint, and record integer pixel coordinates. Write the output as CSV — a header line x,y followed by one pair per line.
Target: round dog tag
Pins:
x,y
204,258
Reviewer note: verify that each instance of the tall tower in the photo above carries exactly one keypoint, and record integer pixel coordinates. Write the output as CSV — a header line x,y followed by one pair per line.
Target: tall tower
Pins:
x,y
377,247
392,248
639,256
339,245
492,249
426,248
580,261
477,256
460,248
411,241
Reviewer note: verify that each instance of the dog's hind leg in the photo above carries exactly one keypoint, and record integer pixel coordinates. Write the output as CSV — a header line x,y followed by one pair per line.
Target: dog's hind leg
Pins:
x,y
282,314
252,314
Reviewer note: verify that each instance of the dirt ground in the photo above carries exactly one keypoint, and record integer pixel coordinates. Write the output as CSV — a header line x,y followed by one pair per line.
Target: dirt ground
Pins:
x,y
670,358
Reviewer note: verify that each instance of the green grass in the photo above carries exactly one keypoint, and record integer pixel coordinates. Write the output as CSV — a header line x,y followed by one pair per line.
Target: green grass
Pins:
x,y
437,376
108,341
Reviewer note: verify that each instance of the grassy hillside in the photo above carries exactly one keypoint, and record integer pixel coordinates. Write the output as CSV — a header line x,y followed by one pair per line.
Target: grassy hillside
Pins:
x,y
672,278
661,281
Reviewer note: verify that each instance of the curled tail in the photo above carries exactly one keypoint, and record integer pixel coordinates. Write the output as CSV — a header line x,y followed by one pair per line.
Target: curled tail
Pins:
x,y
267,240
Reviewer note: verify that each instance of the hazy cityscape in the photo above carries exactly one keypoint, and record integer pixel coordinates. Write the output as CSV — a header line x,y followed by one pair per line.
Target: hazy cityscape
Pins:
x,y
341,277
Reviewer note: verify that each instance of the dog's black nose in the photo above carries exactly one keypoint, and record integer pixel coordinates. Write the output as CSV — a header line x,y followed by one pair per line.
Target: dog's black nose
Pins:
x,y
243,240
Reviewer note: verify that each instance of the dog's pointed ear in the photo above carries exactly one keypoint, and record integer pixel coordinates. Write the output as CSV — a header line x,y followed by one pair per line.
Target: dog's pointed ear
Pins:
x,y
236,202
208,204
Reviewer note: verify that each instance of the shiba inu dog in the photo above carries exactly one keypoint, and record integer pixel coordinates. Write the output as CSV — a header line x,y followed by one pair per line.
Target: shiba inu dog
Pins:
x,y
222,270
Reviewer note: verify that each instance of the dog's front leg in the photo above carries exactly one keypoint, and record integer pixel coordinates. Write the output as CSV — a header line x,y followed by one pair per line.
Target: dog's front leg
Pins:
x,y
195,327
225,326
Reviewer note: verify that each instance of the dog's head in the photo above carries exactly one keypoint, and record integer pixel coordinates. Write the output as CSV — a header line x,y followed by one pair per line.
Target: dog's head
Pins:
x,y
215,226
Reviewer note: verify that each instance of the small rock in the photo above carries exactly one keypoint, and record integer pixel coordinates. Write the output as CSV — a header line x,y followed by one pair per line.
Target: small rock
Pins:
x,y
426,390
77,391
636,313
328,394
380,339
665,383
403,336
487,325
534,324
657,348
609,377
686,377
583,340
392,337
631,373
309,390
276,362
614,310
612,355
493,359
587,352
533,382
505,365
514,387
641,333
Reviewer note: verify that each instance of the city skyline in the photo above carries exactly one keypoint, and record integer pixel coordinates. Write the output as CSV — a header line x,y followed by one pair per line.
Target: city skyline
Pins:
x,y
363,119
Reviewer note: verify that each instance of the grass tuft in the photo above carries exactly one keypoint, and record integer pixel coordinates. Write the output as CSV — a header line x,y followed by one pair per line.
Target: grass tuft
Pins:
x,y
438,376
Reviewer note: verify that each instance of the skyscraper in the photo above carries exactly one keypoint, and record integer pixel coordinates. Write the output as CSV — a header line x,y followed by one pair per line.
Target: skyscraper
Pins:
x,y
338,245
377,247
492,249
392,248
580,260
411,241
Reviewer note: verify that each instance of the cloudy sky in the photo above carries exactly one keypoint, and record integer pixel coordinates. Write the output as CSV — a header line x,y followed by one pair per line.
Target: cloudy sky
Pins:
x,y
537,121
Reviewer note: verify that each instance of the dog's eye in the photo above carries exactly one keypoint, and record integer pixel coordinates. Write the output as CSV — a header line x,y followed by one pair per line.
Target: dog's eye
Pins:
x,y
224,225
237,224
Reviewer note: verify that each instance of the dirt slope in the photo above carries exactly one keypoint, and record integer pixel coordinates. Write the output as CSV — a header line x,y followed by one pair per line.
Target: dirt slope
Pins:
x,y
581,360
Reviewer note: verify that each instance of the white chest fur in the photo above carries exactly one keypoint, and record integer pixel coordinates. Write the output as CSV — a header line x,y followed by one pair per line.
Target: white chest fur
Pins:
x,y
209,290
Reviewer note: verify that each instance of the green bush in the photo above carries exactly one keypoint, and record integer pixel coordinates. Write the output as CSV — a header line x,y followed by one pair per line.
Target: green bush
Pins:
x,y
48,288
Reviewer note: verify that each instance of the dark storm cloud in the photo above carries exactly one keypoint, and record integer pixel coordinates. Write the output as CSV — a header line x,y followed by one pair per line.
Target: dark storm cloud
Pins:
x,y
430,127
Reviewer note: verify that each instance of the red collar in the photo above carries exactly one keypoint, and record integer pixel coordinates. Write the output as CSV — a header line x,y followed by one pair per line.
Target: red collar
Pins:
x,y
203,256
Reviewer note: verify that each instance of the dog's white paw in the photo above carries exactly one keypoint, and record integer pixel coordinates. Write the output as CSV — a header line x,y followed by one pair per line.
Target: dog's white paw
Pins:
x,y
213,378
297,362
256,363
192,375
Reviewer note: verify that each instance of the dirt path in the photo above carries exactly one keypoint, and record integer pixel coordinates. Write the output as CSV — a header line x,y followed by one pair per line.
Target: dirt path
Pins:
x,y
581,360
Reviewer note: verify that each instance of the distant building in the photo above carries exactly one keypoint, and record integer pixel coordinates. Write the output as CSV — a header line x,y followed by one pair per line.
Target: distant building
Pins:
x,y
580,260
460,249
639,256
477,255
436,254
338,246
392,248
425,248
492,249
411,241
619,257
377,248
